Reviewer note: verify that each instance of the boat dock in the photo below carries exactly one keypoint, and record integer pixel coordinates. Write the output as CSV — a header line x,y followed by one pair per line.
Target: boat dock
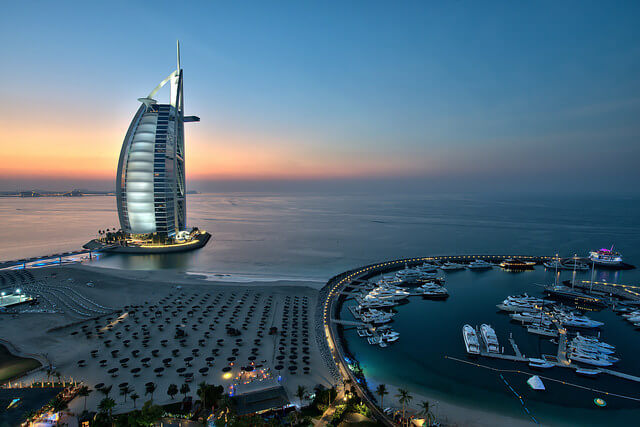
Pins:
x,y
516,350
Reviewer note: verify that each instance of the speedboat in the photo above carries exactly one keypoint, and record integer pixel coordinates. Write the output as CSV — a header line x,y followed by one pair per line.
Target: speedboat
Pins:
x,y
539,363
479,264
470,339
452,266
606,257
490,338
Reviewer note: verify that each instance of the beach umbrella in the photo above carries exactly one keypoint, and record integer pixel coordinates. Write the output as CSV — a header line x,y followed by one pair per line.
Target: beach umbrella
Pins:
x,y
226,369
204,370
252,358
231,359
123,385
280,357
103,362
135,372
112,370
158,370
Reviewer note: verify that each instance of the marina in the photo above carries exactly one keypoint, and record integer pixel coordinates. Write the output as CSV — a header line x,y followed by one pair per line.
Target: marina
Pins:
x,y
562,355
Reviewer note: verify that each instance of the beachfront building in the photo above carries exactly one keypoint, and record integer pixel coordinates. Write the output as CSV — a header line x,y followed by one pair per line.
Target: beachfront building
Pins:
x,y
150,181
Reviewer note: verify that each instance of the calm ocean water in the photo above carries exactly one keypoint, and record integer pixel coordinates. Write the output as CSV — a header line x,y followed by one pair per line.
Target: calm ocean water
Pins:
x,y
312,237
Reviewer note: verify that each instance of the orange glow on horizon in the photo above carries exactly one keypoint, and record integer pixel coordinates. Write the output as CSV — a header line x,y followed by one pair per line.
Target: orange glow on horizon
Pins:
x,y
46,146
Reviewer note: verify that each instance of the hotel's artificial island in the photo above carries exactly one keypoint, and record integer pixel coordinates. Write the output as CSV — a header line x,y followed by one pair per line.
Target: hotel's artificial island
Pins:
x,y
150,181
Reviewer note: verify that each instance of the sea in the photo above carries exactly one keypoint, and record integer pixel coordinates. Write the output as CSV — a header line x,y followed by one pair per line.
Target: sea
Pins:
x,y
311,237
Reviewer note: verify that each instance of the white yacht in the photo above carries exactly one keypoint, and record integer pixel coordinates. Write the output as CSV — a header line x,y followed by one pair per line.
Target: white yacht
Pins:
x,y
389,336
433,290
490,338
479,264
530,317
606,257
409,275
515,306
470,339
376,316
591,359
578,346
593,341
570,264
577,321
452,266
375,303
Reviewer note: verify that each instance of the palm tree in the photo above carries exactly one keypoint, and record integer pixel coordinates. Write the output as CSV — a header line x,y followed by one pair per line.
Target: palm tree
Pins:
x,y
106,406
58,404
302,390
58,375
185,389
124,391
134,396
172,390
425,409
381,391
84,392
204,393
403,397
106,390
149,388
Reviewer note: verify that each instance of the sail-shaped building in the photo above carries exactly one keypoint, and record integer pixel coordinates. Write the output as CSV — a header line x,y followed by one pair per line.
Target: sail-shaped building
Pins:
x,y
150,181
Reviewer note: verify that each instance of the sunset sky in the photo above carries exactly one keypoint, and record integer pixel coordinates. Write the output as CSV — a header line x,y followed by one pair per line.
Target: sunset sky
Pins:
x,y
466,93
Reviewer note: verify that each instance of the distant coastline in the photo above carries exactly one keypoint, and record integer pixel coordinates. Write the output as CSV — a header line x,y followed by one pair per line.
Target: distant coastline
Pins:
x,y
73,193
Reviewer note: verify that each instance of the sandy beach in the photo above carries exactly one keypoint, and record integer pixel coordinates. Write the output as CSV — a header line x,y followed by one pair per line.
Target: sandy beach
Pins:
x,y
131,332
447,413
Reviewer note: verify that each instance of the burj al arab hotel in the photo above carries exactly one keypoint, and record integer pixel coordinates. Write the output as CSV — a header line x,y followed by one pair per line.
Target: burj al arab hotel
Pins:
x,y
150,180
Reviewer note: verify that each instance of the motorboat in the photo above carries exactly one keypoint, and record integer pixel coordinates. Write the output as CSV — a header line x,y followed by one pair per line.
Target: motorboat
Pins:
x,y
433,290
490,338
452,266
389,336
588,372
409,275
470,339
577,321
539,363
543,330
375,303
535,383
590,359
376,316
593,340
517,265
479,264
529,317
519,306
606,257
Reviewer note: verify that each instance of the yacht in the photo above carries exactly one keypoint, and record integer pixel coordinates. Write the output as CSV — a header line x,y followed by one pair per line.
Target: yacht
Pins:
x,y
593,340
564,292
570,264
606,257
575,264
452,266
376,316
470,339
539,363
577,321
433,290
589,348
514,305
517,265
590,359
479,264
409,275
389,336
375,303
530,317
490,338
